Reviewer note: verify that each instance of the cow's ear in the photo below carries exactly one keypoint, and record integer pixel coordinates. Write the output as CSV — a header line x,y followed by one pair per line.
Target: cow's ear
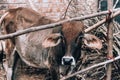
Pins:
x,y
52,40
92,41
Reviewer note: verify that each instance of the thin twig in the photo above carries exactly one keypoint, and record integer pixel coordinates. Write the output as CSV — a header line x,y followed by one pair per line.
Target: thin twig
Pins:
x,y
12,3
115,34
66,9
32,6
101,22
115,4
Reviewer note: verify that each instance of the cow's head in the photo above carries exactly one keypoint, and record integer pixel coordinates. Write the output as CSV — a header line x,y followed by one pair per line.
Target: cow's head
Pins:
x,y
72,36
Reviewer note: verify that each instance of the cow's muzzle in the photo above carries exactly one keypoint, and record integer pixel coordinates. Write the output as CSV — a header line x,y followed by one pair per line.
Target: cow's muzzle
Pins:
x,y
68,60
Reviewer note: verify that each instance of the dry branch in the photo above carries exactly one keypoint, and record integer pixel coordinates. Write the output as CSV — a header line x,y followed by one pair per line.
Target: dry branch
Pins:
x,y
32,6
91,67
33,29
110,40
101,22
115,34
115,4
66,10
12,3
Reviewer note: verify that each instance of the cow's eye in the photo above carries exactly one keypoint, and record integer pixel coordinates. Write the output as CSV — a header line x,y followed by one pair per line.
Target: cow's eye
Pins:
x,y
78,40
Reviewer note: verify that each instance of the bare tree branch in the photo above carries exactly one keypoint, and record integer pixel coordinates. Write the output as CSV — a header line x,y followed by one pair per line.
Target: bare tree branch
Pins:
x,y
116,33
32,6
101,22
64,15
32,29
115,4
91,67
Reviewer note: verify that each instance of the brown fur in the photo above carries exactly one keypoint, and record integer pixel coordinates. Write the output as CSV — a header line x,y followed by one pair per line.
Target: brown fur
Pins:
x,y
72,29
24,17
19,19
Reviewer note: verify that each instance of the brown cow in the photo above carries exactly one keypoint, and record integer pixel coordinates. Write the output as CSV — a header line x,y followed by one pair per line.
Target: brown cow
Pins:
x,y
50,48
71,37
19,19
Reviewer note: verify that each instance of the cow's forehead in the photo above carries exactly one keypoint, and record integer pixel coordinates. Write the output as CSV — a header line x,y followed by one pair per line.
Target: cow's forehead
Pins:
x,y
72,29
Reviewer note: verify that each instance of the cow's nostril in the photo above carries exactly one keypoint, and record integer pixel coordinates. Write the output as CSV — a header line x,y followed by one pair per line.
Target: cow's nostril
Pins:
x,y
68,61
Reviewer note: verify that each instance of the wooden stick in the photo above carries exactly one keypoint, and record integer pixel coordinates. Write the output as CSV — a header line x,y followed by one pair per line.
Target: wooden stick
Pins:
x,y
110,40
115,4
101,22
32,6
33,29
65,13
12,3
